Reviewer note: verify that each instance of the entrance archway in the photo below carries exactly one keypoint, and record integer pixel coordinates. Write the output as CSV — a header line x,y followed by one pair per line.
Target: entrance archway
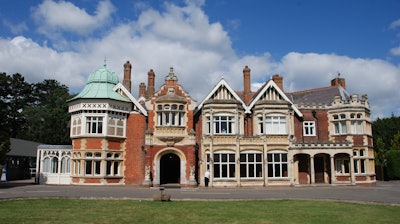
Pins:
x,y
170,168
303,168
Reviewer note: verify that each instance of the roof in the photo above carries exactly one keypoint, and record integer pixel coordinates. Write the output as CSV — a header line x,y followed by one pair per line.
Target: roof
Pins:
x,y
323,96
100,86
21,147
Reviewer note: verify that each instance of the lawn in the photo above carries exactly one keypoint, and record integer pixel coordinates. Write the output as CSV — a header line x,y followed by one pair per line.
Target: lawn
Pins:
x,y
133,211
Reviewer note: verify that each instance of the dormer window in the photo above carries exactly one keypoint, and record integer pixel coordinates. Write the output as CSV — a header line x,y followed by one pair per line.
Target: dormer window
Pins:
x,y
170,115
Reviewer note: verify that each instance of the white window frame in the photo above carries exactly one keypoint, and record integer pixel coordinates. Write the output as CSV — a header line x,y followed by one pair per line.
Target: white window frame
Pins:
x,y
95,124
224,124
251,164
224,168
92,165
309,128
275,124
277,162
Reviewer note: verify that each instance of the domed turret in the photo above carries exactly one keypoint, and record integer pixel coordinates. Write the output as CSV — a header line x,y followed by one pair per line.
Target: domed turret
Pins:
x,y
100,86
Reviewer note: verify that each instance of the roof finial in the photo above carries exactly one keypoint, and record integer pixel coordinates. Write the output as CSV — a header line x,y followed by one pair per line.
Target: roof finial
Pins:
x,y
105,62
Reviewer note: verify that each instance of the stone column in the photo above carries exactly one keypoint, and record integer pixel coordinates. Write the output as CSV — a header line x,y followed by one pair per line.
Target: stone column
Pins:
x,y
332,170
312,171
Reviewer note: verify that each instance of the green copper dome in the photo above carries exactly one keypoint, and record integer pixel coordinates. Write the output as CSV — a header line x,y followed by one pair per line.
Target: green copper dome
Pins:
x,y
103,75
100,86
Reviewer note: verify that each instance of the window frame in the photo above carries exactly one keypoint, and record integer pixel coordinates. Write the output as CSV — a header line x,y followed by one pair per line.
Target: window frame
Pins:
x,y
224,170
272,164
309,128
251,169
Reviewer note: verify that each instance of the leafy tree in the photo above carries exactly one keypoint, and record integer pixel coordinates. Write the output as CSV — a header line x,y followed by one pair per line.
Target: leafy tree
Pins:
x,y
395,143
48,118
393,164
380,152
15,95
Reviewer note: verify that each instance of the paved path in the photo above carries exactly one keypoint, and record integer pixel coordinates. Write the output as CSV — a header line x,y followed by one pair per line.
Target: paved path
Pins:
x,y
383,192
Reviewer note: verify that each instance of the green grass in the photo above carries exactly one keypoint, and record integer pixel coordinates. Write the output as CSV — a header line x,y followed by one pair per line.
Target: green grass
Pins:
x,y
130,211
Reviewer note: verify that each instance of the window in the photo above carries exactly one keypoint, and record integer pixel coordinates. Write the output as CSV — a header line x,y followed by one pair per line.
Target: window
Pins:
x,y
359,161
113,164
277,165
342,166
250,165
65,164
116,127
92,164
94,125
276,125
208,125
170,115
309,128
356,124
76,125
339,122
224,125
224,165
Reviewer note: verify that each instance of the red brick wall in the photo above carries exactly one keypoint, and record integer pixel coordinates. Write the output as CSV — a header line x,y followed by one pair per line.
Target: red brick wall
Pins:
x,y
134,157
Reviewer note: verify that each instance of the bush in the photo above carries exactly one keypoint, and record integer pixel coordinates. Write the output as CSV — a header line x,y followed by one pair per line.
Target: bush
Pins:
x,y
393,164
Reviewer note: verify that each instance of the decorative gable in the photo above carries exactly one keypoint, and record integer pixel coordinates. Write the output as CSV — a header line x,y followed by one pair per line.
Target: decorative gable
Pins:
x,y
222,91
271,92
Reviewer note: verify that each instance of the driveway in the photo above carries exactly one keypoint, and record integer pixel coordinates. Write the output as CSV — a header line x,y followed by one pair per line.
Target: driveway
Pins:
x,y
387,192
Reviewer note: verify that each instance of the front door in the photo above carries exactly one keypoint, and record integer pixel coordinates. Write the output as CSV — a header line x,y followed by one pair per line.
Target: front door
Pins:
x,y
170,169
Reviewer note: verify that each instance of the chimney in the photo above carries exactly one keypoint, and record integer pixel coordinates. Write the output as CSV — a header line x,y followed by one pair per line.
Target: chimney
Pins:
x,y
150,82
246,80
246,84
127,75
338,82
278,80
142,89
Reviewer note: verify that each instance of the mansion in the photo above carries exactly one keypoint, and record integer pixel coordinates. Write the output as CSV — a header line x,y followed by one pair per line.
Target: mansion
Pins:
x,y
241,138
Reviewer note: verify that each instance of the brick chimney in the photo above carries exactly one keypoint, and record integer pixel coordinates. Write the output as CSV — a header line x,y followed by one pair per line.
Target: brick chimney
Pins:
x,y
127,75
278,80
246,84
338,82
150,82
142,89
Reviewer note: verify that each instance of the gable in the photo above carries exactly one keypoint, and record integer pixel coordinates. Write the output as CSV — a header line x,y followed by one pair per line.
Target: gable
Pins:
x,y
136,104
222,91
271,92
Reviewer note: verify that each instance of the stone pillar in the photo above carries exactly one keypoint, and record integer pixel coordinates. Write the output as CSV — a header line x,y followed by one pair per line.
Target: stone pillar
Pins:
x,y
312,171
332,170
352,177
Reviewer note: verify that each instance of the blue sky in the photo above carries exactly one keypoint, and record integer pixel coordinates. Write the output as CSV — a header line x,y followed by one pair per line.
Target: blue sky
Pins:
x,y
307,42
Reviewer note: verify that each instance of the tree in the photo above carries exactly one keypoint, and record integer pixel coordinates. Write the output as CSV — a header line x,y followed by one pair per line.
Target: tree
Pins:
x,y
395,143
48,118
380,152
15,95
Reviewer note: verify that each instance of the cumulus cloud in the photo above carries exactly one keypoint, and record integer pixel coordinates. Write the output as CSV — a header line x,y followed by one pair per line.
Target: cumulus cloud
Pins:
x,y
16,29
201,54
60,16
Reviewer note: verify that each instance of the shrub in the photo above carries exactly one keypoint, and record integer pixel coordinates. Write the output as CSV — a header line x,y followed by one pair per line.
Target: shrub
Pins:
x,y
393,164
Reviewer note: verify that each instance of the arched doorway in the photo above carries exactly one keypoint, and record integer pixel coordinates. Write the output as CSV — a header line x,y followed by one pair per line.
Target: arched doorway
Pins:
x,y
170,169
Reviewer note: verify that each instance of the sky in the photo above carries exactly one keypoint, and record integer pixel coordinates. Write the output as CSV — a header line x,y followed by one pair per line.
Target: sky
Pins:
x,y
308,42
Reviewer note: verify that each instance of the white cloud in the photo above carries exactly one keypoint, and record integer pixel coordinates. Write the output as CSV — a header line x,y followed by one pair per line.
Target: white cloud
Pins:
x,y
395,24
15,29
395,51
61,16
201,54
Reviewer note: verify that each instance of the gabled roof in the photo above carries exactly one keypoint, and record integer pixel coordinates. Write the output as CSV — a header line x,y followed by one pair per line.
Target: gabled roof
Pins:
x,y
222,84
322,96
121,87
270,84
